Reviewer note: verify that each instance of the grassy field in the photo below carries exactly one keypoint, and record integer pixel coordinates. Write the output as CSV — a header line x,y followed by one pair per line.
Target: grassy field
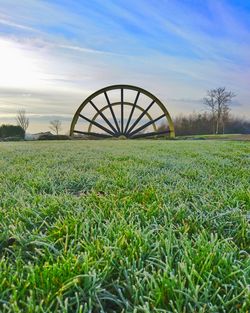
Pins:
x,y
237,137
125,226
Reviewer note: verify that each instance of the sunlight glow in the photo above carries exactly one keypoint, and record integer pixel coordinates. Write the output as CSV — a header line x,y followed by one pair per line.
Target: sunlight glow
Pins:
x,y
19,66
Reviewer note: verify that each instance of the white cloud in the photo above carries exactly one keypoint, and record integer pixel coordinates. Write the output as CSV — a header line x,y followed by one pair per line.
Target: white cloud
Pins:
x,y
52,58
13,24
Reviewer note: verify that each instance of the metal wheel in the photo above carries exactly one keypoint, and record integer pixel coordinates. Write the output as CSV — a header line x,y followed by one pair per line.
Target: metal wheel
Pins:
x,y
122,111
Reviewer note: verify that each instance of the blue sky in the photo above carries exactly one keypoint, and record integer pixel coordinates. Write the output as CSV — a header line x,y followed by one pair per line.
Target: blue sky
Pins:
x,y
55,53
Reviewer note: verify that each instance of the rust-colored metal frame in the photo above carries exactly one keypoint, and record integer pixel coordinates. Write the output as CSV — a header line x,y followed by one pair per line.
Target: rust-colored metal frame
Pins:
x,y
122,130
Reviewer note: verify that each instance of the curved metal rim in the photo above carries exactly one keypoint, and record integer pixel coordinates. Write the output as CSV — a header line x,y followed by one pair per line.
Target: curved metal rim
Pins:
x,y
129,87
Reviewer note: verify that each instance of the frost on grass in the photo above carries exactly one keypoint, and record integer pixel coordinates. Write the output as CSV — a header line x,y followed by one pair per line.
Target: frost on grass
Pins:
x,y
130,226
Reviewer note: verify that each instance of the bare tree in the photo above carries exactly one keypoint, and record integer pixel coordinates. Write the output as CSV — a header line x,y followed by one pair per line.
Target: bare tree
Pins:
x,y
210,102
218,100
56,126
22,120
224,116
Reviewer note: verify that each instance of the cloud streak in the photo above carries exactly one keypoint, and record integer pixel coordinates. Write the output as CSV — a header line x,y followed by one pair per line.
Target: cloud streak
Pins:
x,y
15,25
177,50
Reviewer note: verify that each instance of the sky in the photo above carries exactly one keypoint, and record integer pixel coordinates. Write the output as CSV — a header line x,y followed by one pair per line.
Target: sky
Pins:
x,y
53,54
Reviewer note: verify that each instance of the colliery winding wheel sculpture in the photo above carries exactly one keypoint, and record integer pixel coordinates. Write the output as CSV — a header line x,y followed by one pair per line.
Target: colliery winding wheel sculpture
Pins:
x,y
122,111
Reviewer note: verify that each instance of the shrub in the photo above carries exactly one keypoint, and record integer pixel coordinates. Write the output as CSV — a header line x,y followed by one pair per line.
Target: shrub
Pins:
x,y
11,131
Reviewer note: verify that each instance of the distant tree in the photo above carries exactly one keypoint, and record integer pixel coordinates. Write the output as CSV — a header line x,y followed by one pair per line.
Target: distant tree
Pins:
x,y
209,101
11,131
193,124
237,125
163,127
22,120
224,116
218,100
201,124
56,126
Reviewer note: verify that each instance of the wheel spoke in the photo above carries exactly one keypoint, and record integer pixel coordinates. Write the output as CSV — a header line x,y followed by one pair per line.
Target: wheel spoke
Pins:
x,y
132,111
140,117
103,116
112,112
92,134
146,125
150,134
125,103
97,125
122,110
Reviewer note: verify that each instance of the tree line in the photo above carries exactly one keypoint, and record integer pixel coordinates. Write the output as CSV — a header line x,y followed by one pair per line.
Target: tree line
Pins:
x,y
217,119
205,124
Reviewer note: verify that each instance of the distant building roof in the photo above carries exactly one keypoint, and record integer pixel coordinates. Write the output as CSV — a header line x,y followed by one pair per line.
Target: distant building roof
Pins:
x,y
43,133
